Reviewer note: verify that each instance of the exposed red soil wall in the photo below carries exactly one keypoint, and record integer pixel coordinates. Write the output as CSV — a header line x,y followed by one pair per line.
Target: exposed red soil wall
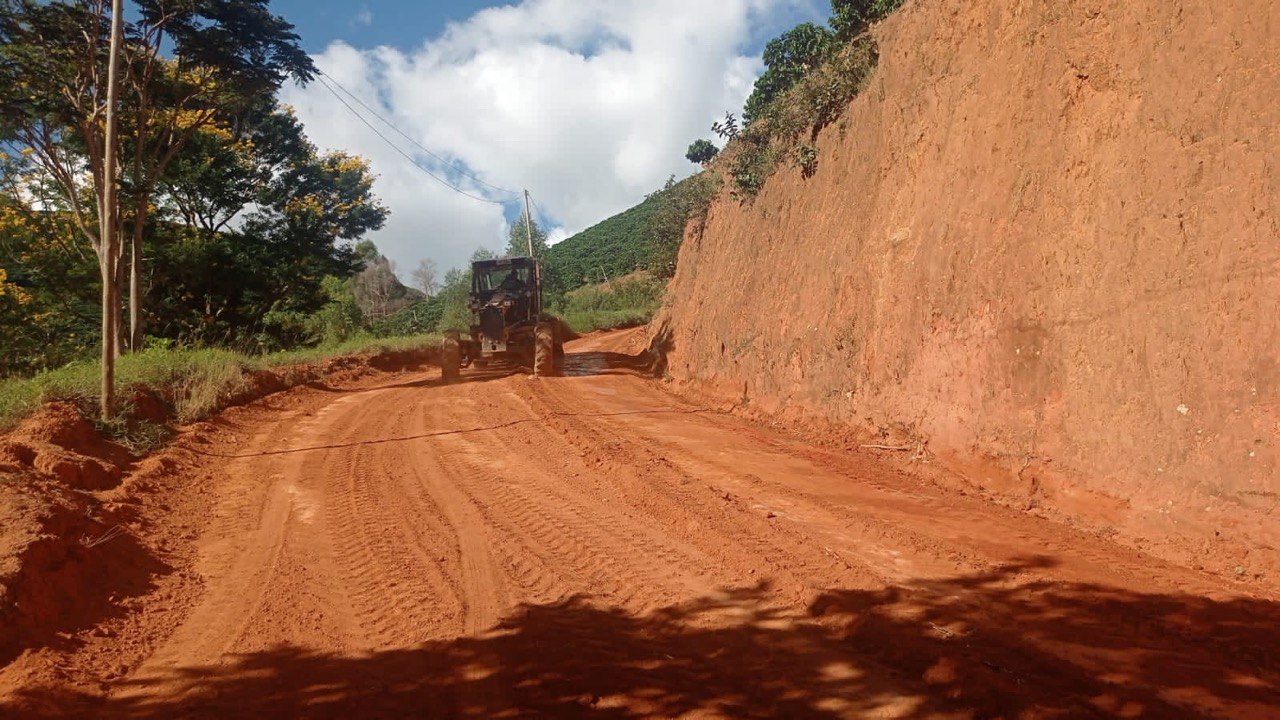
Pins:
x,y
1046,242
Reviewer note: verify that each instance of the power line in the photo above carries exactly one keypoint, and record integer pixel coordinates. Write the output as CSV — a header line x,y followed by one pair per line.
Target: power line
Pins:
x,y
546,215
406,155
410,138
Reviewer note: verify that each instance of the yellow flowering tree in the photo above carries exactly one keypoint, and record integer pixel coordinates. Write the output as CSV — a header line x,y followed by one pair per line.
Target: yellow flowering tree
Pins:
x,y
222,56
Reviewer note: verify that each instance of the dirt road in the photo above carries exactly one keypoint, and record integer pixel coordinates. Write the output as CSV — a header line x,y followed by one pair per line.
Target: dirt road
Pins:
x,y
594,545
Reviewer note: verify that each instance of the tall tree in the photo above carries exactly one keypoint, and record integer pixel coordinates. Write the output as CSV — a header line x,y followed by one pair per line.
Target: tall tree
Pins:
x,y
222,56
424,277
227,55
57,95
518,238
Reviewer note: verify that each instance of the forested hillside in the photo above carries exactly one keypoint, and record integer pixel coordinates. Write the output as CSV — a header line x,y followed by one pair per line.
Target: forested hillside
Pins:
x,y
644,237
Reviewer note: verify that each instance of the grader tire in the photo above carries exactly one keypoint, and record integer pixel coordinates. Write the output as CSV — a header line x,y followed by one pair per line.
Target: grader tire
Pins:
x,y
451,356
544,350
558,347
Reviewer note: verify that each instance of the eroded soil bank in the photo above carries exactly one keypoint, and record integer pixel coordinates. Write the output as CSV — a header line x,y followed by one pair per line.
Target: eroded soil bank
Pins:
x,y
75,506
1044,245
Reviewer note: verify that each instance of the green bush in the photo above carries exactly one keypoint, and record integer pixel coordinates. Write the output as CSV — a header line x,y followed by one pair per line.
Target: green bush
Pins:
x,y
674,207
787,127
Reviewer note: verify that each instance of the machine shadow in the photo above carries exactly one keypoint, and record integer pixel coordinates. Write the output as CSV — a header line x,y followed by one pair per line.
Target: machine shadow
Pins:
x,y
985,645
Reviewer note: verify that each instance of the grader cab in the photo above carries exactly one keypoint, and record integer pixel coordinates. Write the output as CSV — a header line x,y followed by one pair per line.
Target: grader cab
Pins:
x,y
507,321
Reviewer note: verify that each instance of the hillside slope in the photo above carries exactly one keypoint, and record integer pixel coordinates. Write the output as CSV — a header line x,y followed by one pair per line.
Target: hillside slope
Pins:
x,y
1046,242
609,249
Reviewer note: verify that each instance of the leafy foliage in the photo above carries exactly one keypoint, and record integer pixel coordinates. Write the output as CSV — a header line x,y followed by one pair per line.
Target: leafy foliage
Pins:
x,y
676,206
850,18
701,152
190,71
787,59
728,128
623,303
48,291
811,76
787,128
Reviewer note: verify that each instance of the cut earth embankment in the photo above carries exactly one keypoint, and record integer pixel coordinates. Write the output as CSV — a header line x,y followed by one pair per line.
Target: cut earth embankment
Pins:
x,y
1044,244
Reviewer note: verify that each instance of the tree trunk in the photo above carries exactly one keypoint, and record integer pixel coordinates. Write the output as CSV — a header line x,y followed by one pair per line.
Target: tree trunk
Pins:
x,y
135,284
108,213
121,344
108,333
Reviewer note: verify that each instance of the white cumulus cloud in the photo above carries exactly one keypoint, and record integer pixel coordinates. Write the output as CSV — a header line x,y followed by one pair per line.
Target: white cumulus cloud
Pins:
x,y
589,104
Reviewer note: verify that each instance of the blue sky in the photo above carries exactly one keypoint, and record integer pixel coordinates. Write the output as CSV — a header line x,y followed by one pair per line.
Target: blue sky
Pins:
x,y
589,104
403,24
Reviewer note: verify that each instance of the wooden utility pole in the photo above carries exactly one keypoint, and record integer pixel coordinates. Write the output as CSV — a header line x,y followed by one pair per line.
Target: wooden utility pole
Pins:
x,y
109,212
528,222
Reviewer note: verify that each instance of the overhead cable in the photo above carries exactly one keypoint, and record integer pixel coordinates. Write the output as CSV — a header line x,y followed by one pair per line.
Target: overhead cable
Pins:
x,y
420,146
406,155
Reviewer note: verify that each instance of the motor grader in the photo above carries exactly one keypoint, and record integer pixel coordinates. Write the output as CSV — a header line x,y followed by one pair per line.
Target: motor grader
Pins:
x,y
507,321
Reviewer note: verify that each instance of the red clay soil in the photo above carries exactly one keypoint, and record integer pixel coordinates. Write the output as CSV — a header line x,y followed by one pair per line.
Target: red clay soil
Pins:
x,y
593,545
1043,245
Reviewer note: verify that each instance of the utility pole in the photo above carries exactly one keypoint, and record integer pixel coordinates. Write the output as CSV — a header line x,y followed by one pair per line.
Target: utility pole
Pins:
x,y
110,212
528,222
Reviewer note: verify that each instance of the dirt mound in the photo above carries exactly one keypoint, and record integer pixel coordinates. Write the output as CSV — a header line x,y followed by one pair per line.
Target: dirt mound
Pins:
x,y
1040,245
57,441
55,549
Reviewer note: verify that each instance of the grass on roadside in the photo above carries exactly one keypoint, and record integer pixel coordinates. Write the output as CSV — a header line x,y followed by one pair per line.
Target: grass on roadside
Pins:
x,y
625,302
585,321
196,382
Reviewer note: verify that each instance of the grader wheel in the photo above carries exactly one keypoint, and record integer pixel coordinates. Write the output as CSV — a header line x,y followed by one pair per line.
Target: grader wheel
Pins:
x,y
544,352
451,356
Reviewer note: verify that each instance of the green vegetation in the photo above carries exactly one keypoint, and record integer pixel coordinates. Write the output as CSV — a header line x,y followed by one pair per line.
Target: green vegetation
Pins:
x,y
627,302
851,18
238,231
811,75
701,152
103,152
675,207
194,383
788,58
645,237
609,249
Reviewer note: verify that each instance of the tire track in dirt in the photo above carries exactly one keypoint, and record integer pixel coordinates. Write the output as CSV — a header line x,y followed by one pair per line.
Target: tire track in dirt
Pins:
x,y
597,551
517,546
397,565
684,501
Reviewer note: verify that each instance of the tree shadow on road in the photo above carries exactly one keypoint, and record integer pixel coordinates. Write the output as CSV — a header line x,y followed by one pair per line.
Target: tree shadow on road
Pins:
x,y
997,644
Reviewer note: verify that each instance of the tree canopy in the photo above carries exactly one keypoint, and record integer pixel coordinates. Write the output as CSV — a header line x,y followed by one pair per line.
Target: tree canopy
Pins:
x,y
701,152
518,238
787,59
